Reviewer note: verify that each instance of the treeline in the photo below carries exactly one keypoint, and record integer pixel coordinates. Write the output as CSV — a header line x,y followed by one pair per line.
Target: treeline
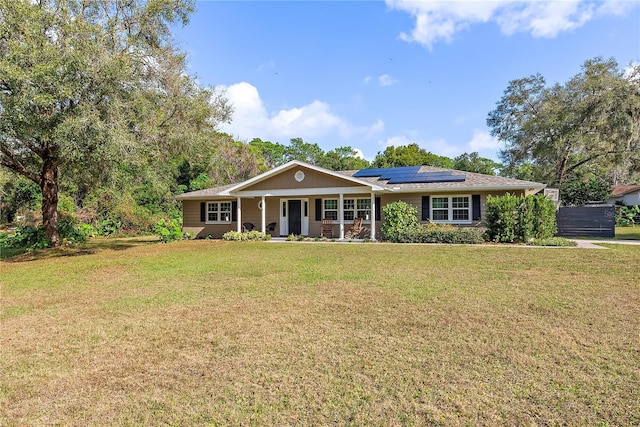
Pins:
x,y
133,196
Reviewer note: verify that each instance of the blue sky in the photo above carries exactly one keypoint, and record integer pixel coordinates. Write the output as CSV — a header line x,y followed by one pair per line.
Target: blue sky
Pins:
x,y
369,74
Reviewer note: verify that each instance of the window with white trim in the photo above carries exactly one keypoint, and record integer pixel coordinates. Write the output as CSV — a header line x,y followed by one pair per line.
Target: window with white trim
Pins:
x,y
351,208
452,209
330,209
218,212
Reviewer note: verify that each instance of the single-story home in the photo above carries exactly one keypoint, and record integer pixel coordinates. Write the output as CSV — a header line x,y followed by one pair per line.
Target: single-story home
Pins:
x,y
628,195
296,197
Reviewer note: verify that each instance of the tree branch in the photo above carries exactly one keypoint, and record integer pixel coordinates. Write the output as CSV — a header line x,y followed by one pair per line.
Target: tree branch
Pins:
x,y
13,164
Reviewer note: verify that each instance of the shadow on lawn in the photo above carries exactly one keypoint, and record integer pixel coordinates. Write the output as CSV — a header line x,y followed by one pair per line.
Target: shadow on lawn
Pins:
x,y
90,247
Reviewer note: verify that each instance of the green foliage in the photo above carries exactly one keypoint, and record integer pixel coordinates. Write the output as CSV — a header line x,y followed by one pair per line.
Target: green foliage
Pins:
x,y
343,158
306,152
24,238
590,123
400,219
578,192
70,231
552,241
120,96
200,182
18,193
245,236
439,233
108,227
511,218
502,218
628,215
269,154
474,163
409,155
168,230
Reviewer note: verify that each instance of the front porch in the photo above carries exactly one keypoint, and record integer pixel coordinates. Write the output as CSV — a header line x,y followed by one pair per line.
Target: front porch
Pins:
x,y
303,215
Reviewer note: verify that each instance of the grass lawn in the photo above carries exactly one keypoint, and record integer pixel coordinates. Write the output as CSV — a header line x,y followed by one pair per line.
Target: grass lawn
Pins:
x,y
628,233
225,333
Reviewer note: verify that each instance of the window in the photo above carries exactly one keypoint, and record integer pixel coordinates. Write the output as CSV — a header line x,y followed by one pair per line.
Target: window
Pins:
x,y
351,208
453,209
331,209
218,212
440,209
460,206
364,208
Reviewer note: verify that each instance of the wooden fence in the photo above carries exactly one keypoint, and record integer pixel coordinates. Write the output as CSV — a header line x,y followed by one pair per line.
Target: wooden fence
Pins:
x,y
586,221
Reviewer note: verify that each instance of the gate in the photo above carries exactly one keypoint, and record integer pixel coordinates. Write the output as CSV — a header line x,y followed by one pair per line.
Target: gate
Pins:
x,y
586,221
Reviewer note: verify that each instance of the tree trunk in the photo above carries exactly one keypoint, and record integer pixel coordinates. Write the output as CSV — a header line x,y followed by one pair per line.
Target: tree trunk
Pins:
x,y
49,185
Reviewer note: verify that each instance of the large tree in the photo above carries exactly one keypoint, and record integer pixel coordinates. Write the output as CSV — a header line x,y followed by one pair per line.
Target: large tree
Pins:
x,y
589,125
86,83
409,155
472,162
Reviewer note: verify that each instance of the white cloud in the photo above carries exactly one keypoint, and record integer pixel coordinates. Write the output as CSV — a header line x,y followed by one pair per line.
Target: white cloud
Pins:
x,y
441,20
481,141
386,80
314,120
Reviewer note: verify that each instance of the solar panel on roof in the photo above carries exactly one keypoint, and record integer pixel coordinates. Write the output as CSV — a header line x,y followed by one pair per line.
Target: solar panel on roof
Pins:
x,y
409,175
427,179
369,172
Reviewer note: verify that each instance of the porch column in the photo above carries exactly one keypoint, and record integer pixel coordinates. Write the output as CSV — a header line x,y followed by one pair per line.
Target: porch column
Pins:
x,y
264,215
341,215
239,215
373,217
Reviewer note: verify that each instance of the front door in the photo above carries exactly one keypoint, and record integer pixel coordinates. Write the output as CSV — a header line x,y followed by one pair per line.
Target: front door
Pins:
x,y
295,217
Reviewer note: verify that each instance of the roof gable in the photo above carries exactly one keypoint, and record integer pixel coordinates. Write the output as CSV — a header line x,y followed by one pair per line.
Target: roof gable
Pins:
x,y
285,177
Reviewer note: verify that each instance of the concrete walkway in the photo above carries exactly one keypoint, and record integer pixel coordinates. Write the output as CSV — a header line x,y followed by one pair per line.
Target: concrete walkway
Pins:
x,y
595,244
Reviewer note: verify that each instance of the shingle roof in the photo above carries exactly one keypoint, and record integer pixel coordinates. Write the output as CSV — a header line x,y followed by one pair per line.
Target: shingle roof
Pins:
x,y
473,181
204,193
621,190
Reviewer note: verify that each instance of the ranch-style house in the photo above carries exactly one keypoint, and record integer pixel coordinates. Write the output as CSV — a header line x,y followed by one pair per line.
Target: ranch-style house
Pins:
x,y
302,199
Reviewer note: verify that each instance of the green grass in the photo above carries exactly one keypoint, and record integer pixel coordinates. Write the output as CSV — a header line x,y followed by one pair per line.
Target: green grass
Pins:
x,y
244,333
628,233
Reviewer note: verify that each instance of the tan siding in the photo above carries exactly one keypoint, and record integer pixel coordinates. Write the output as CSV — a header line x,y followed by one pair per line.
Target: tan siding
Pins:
x,y
312,179
251,213
191,213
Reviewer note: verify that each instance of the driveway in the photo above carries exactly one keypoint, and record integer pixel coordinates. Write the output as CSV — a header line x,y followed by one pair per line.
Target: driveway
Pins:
x,y
595,244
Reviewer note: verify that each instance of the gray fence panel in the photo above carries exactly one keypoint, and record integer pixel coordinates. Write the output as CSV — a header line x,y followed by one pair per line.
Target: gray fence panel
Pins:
x,y
586,221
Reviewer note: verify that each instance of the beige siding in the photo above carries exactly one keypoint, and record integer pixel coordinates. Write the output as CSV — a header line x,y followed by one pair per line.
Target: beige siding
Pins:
x,y
312,179
251,213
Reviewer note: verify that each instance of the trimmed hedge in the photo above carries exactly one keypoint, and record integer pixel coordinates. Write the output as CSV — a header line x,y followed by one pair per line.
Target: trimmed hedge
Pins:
x,y
245,236
433,233
520,218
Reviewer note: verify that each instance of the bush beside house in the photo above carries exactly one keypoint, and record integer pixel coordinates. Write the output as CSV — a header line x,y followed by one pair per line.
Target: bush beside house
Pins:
x,y
520,219
401,225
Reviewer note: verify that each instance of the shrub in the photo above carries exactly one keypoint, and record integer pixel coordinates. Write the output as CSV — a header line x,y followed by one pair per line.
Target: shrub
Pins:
x,y
578,192
628,215
245,236
552,241
436,233
69,229
24,237
400,220
168,230
502,217
511,218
